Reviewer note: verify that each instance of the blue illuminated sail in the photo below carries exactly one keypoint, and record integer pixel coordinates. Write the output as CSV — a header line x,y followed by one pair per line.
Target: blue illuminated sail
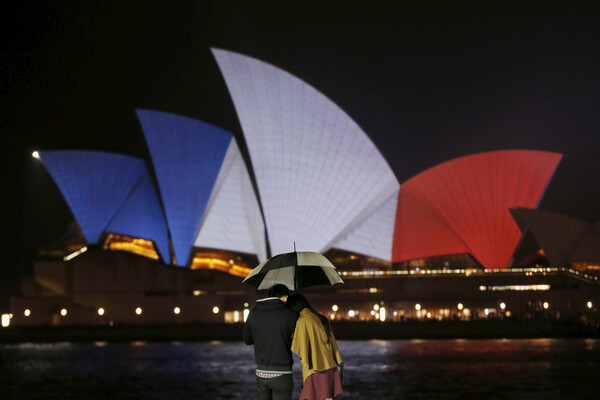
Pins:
x,y
141,216
94,184
187,155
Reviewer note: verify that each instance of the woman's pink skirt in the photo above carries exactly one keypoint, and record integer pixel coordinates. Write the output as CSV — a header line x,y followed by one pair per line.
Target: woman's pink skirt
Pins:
x,y
322,385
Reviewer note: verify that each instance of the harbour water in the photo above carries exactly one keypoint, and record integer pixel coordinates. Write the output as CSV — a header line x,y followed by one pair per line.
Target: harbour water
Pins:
x,y
393,369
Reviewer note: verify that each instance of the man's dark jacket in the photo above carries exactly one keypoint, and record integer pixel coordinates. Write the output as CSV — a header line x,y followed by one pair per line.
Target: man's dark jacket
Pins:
x,y
269,327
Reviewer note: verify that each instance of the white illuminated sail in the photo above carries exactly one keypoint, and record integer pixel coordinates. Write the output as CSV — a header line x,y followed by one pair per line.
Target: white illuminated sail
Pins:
x,y
374,235
232,220
319,176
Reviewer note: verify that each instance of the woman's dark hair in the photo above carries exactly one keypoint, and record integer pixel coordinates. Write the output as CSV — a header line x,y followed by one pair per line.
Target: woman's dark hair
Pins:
x,y
297,302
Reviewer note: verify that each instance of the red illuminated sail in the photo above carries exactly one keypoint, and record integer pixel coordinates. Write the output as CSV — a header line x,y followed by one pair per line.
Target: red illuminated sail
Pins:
x,y
462,206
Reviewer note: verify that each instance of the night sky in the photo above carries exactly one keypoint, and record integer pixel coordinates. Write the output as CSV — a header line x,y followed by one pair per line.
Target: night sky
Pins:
x,y
427,81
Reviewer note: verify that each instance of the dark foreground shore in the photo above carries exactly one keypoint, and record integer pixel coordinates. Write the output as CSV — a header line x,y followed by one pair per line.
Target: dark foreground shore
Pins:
x,y
344,330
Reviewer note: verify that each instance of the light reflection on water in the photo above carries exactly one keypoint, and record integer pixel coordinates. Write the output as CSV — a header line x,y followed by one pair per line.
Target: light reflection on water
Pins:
x,y
404,369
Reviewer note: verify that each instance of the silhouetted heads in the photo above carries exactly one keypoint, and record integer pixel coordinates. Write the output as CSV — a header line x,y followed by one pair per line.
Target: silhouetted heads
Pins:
x,y
297,302
278,290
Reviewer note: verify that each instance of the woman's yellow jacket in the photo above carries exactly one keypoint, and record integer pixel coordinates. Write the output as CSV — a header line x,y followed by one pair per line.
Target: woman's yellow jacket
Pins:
x,y
312,344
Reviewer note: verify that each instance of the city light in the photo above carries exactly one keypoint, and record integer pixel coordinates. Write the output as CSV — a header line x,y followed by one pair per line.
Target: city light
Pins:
x,y
546,305
27,312
138,311
334,307
526,271
518,288
138,246
200,262
460,306
376,307
101,311
589,304
5,320
35,154
246,312
417,306
177,310
236,316
382,314
486,311
373,312
351,313
75,254
502,305
63,312
215,310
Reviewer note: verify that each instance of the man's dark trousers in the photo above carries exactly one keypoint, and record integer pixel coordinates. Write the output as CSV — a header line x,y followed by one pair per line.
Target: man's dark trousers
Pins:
x,y
278,388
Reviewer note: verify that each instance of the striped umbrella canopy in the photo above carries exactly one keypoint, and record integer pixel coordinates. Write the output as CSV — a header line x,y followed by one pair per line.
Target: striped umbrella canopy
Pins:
x,y
296,270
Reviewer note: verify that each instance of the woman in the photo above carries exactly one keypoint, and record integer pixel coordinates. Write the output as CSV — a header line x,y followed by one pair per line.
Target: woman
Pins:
x,y
314,342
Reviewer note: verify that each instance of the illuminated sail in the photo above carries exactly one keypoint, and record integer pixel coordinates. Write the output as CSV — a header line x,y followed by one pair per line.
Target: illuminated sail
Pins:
x,y
141,216
94,184
462,206
318,174
232,220
203,182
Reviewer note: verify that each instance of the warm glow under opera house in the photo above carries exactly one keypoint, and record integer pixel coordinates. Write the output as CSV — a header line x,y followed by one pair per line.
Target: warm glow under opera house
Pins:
x,y
169,240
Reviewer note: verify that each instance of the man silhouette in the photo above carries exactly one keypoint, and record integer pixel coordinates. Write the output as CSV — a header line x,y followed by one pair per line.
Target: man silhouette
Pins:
x,y
269,327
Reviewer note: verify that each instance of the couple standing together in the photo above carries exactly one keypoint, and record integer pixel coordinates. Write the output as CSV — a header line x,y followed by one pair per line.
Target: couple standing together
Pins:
x,y
276,329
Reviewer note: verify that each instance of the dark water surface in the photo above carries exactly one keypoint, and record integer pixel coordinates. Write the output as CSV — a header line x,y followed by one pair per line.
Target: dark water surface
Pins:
x,y
405,369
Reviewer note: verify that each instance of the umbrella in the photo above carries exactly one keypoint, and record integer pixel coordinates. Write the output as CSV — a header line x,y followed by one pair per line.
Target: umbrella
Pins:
x,y
296,270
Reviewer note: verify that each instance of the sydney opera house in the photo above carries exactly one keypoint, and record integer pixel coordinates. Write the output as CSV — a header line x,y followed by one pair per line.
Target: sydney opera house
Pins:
x,y
170,239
